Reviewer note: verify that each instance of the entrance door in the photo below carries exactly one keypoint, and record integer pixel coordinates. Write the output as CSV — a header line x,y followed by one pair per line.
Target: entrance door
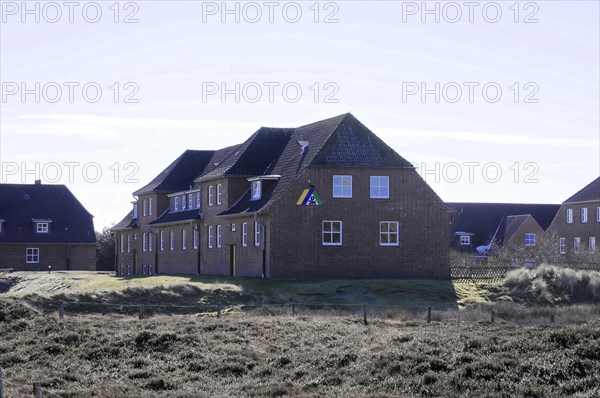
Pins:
x,y
232,261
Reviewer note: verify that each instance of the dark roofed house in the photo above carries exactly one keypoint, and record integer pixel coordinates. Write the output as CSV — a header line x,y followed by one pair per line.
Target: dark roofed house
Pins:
x,y
328,199
44,226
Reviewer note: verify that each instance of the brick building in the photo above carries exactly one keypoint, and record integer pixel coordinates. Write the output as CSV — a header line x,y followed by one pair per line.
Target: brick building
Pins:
x,y
328,199
44,227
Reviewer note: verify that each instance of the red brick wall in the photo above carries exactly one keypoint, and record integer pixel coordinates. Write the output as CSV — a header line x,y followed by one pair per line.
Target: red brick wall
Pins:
x,y
81,257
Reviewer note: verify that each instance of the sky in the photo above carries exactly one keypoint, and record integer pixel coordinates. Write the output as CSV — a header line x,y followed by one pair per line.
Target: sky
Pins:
x,y
491,101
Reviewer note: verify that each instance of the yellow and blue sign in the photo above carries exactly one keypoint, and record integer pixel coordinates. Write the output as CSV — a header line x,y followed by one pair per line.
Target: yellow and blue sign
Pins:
x,y
309,197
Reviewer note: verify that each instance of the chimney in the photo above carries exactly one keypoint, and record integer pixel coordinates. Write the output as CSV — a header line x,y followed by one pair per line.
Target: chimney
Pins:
x,y
38,182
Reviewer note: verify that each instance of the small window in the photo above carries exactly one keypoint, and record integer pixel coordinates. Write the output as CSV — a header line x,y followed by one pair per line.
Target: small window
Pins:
x,y
144,208
584,215
342,186
592,244
128,243
135,209
32,255
190,201
332,233
149,241
233,227
256,190
122,243
563,245
172,239
150,206
42,227
183,202
256,233
388,233
183,238
219,194
569,216
245,234
198,199
598,214
529,239
176,203
210,195
465,240
380,187
576,244
196,239
210,236
162,241
144,242
219,231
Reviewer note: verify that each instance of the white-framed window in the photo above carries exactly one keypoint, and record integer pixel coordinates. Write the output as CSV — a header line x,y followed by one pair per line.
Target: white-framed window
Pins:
x,y
245,234
598,214
592,244
144,208
122,243
162,241
144,242
529,239
256,190
176,203
150,206
210,195
32,255
576,244
128,243
183,239
332,233
196,239
584,215
219,194
219,235
42,227
380,187
149,241
569,216
172,239
389,233
465,240
198,199
183,202
562,245
190,201
210,236
342,186
256,233
135,209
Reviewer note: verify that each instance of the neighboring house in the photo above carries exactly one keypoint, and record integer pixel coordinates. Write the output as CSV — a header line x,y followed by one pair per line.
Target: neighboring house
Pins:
x,y
44,227
576,226
329,199
479,227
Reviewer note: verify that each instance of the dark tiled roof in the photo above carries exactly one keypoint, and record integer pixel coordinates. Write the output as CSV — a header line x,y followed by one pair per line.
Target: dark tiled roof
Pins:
x,y
176,216
513,223
20,203
245,206
127,222
482,219
180,174
589,193
220,162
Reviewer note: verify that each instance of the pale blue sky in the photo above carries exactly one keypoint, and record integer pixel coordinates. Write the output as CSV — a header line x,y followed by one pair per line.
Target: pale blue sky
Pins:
x,y
370,55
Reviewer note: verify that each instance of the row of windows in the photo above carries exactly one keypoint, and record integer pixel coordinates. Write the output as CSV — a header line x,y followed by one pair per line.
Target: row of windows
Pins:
x,y
584,215
379,186
332,233
577,245
188,201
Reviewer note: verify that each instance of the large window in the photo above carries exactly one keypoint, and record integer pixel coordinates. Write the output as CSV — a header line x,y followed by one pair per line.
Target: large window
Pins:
x,y
332,233
380,187
183,238
569,216
563,245
342,186
210,195
584,215
42,227
210,236
219,235
245,234
219,194
592,244
576,244
32,255
389,233
529,239
256,188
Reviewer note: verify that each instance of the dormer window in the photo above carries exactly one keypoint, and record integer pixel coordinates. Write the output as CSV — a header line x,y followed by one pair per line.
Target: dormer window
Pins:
x,y
176,203
42,227
183,202
256,190
135,209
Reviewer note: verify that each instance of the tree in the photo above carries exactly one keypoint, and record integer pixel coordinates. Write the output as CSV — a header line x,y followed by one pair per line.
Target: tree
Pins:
x,y
105,255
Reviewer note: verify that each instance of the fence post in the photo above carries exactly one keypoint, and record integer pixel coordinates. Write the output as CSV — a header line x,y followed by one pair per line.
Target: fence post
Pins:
x,y
1,385
428,314
365,313
293,312
551,321
61,310
37,390
493,316
141,315
218,310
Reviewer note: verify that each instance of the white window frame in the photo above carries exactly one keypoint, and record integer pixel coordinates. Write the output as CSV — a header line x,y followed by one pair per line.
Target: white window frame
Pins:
x,y
32,255
196,239
465,240
375,183
330,231
389,233
172,239
135,210
219,194
128,243
123,243
584,215
176,203
219,236
190,201
245,234
576,244
598,214
233,227
342,191
149,241
210,236
183,239
562,245
183,202
211,194
144,242
198,199
150,206
144,208
42,227
569,216
162,241
256,233
256,190
529,239
592,244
